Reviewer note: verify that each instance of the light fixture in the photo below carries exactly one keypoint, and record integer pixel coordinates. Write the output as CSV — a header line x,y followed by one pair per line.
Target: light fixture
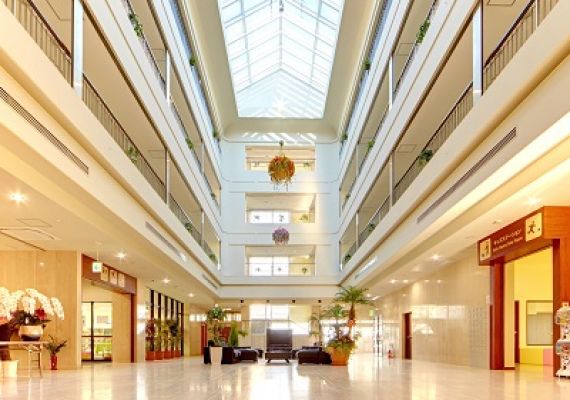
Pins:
x,y
166,281
121,255
393,281
426,280
533,201
436,257
439,281
17,197
368,295
497,221
191,295
405,281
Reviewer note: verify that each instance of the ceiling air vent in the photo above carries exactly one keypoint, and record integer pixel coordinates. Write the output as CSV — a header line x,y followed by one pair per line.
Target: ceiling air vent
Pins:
x,y
27,234
484,160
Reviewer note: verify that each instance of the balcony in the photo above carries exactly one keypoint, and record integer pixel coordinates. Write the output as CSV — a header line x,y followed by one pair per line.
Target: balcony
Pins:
x,y
135,136
415,149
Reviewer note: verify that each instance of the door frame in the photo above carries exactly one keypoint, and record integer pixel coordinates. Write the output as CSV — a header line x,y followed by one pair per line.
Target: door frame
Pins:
x,y
92,336
407,353
517,332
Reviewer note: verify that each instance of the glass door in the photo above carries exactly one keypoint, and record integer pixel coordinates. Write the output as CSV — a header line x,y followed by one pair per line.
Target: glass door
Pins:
x,y
97,331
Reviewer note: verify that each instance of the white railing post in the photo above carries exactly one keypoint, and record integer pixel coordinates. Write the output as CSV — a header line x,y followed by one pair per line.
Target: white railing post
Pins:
x,y
167,179
168,77
391,179
477,21
390,82
77,48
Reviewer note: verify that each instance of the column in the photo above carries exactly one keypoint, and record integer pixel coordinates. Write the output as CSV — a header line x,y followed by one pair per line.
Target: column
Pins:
x,y
477,21
167,179
497,347
357,223
391,175
561,282
168,83
77,48
390,81
202,229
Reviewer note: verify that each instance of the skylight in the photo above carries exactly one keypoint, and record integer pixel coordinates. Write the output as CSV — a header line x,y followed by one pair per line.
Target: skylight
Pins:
x,y
281,54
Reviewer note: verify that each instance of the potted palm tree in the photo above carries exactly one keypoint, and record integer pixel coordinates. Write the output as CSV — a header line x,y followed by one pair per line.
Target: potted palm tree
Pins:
x,y
352,296
214,318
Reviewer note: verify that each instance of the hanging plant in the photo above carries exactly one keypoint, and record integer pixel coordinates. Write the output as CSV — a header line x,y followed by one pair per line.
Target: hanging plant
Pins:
x,y
280,236
344,137
216,135
133,154
422,31
281,168
137,26
424,157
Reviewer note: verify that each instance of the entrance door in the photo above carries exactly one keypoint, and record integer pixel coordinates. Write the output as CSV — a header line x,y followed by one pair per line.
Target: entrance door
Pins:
x,y
408,336
97,331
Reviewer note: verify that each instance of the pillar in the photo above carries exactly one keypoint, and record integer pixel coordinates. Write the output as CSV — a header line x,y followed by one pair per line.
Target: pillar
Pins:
x,y
477,21
77,48
497,345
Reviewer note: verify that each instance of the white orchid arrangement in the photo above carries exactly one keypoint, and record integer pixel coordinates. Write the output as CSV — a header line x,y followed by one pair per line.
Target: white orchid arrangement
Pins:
x,y
28,300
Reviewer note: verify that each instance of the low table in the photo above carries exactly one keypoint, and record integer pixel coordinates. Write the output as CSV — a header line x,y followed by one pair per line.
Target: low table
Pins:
x,y
278,355
35,347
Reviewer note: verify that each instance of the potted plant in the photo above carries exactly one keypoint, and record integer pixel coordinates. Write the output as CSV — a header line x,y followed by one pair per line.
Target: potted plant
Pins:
x,y
304,270
54,346
158,353
352,296
338,347
165,338
316,323
424,157
422,31
346,259
280,236
189,144
371,144
371,227
367,64
137,26
30,326
214,318
304,218
216,135
344,137
133,154
174,334
192,61
235,333
213,257
150,336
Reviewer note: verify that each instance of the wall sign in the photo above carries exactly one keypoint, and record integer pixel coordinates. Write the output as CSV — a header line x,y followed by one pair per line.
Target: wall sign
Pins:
x,y
97,266
108,276
511,238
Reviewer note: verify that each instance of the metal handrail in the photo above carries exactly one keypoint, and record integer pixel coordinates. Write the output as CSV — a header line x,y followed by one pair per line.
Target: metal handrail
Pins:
x,y
515,37
179,212
373,46
195,71
146,47
374,221
376,135
453,118
178,119
412,54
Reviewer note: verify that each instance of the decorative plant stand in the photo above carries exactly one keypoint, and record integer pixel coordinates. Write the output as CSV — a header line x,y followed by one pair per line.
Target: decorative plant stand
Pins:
x,y
563,344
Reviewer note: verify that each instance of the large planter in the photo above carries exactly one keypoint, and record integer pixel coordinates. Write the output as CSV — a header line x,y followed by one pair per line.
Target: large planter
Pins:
x,y
216,355
150,355
5,333
159,355
177,353
30,333
167,354
339,358
10,369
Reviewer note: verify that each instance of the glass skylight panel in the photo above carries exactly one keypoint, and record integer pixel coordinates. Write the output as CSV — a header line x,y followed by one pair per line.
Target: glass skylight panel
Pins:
x,y
280,54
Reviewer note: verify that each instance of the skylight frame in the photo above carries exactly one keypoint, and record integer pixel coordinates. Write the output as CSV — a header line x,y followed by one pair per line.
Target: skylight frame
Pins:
x,y
289,76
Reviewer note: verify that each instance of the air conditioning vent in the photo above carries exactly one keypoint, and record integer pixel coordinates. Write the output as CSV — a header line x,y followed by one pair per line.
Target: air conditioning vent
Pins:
x,y
461,181
28,234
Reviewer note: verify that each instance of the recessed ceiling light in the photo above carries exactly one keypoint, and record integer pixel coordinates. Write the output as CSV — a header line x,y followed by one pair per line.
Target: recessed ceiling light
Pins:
x,y
368,295
426,280
121,255
404,295
439,281
166,281
436,257
42,264
497,221
191,295
533,201
393,281
17,197
405,281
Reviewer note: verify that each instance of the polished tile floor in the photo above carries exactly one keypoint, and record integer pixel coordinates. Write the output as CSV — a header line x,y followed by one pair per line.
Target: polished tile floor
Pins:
x,y
367,377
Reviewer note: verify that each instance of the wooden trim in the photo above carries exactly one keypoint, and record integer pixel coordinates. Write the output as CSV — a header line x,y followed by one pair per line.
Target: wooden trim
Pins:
x,y
497,345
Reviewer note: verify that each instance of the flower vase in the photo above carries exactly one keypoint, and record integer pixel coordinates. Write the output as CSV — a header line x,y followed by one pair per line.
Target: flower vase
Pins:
x,y
53,362
30,333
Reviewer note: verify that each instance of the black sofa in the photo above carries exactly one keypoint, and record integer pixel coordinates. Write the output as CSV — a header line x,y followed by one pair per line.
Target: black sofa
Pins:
x,y
313,356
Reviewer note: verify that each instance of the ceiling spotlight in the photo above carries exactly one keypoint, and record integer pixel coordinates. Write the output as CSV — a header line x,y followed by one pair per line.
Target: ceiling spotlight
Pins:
x,y
368,295
17,197
426,281
191,295
436,257
439,281
405,281
533,201
121,255
166,281
393,281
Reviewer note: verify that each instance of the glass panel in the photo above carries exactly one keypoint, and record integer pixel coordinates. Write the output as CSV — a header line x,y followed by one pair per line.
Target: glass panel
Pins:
x,y
103,349
539,317
102,319
86,348
260,217
86,319
279,49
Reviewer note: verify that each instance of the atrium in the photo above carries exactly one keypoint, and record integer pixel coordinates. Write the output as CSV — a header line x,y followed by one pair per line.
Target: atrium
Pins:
x,y
300,199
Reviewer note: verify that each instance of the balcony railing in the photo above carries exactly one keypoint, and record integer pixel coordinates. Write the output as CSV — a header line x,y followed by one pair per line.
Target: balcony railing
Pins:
x,y
349,253
144,42
519,32
414,50
363,74
185,219
48,41
196,74
457,113
191,145
280,269
517,35
378,216
210,253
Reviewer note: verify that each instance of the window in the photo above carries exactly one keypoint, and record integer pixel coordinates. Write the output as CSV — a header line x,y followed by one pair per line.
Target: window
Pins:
x,y
269,217
280,316
280,55
268,266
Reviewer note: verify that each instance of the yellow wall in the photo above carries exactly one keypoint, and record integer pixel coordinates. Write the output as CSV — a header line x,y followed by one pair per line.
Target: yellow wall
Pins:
x,y
55,274
533,281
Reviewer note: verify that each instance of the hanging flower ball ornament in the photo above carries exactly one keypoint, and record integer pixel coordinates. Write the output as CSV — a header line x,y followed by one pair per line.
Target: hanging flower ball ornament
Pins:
x,y
281,168
281,236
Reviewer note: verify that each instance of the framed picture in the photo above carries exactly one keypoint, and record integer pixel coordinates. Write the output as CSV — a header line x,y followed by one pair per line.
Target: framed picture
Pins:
x,y
105,274
113,277
121,280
